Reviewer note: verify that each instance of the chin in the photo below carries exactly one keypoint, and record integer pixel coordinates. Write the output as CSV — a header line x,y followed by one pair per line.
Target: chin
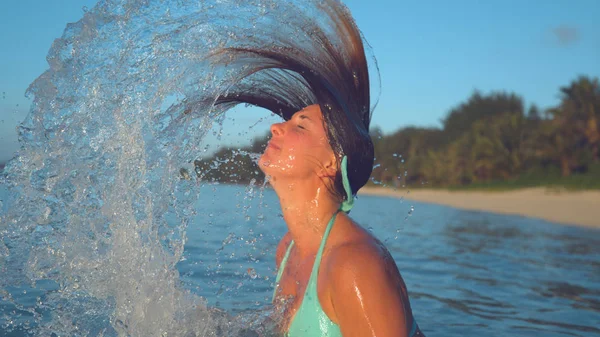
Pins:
x,y
263,164
271,170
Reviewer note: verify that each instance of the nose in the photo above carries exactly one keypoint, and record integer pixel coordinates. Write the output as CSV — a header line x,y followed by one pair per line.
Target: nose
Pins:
x,y
277,129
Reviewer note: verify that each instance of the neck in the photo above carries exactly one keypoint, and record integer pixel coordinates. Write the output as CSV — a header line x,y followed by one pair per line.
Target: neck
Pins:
x,y
307,209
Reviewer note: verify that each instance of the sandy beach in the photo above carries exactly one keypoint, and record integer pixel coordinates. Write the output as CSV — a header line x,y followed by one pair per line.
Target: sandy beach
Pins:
x,y
580,208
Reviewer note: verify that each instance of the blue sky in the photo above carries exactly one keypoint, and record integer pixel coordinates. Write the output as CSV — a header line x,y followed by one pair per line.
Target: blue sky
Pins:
x,y
432,54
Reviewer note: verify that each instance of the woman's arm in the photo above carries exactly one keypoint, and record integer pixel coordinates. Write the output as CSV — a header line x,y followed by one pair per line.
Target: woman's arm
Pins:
x,y
365,292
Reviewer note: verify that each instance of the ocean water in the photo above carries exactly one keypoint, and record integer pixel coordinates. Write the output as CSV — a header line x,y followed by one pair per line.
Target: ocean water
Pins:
x,y
101,234
468,273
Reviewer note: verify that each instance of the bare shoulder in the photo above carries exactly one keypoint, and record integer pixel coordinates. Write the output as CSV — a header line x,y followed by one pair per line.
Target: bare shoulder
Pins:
x,y
363,256
282,247
363,286
354,249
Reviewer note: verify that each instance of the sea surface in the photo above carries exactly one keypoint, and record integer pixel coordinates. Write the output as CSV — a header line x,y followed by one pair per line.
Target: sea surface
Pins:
x,y
468,273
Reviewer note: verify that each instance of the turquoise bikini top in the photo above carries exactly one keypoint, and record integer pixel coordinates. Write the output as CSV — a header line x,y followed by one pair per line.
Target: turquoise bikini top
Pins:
x,y
310,319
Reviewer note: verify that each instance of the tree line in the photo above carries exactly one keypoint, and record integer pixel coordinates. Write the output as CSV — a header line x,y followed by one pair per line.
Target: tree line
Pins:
x,y
488,138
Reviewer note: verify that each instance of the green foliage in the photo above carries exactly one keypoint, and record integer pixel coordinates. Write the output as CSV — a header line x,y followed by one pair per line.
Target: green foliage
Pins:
x,y
489,142
232,165
547,177
460,119
496,146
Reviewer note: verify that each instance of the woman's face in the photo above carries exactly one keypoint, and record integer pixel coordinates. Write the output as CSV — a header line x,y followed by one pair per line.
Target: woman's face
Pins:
x,y
298,147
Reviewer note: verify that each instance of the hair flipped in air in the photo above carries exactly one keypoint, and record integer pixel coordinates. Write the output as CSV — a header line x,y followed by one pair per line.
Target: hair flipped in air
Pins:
x,y
319,60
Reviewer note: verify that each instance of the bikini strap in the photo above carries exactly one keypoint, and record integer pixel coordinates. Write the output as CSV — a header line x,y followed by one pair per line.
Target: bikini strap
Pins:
x,y
281,268
349,202
317,262
322,246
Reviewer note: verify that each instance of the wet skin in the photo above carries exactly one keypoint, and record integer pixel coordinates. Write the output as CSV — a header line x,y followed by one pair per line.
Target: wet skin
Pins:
x,y
358,284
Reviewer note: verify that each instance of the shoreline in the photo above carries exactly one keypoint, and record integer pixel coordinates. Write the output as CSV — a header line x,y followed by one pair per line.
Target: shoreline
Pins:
x,y
578,208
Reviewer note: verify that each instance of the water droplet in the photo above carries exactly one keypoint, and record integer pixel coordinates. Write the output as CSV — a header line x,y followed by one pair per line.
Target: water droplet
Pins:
x,y
410,212
252,273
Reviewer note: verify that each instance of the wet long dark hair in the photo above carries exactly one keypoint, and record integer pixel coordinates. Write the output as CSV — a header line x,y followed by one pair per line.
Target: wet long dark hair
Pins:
x,y
320,60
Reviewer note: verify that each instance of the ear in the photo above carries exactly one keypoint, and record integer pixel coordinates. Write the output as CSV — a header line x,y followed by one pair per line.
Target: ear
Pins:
x,y
329,168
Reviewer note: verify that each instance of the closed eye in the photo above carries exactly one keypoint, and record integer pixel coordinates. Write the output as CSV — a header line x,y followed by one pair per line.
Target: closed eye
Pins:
x,y
301,127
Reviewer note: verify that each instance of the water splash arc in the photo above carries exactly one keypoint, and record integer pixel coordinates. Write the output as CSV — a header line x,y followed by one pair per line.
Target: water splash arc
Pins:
x,y
97,214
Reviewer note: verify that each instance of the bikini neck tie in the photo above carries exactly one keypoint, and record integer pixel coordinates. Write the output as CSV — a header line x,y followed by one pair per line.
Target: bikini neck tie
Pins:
x,y
349,202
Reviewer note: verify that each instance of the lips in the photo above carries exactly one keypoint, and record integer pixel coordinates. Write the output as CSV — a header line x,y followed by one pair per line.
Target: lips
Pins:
x,y
273,146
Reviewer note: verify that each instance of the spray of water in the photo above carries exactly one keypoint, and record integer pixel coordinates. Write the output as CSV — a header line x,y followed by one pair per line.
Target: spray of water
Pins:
x,y
97,214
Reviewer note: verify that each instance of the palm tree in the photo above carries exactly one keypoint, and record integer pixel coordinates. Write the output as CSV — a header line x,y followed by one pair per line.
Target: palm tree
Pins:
x,y
558,141
580,110
497,146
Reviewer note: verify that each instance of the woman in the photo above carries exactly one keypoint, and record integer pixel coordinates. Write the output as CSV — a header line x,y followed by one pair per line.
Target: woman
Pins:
x,y
334,278
341,280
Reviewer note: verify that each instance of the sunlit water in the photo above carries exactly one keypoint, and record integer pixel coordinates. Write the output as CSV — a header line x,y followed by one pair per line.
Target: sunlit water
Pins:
x,y
468,273
100,236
